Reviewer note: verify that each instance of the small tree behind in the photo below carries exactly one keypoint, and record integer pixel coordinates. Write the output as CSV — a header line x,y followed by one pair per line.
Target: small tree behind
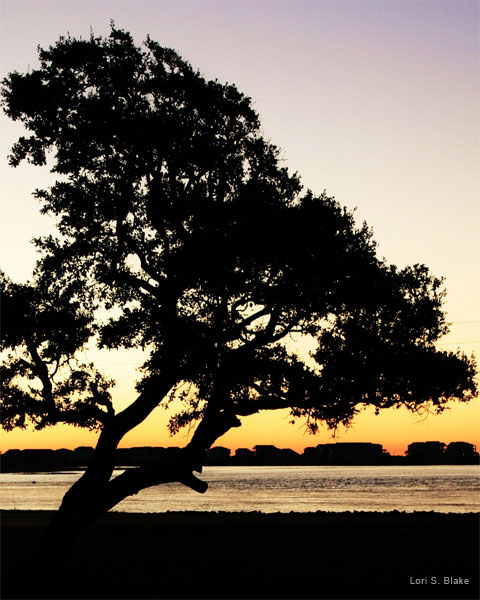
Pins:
x,y
179,232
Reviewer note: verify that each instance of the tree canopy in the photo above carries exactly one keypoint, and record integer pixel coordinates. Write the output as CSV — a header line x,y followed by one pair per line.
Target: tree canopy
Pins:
x,y
181,233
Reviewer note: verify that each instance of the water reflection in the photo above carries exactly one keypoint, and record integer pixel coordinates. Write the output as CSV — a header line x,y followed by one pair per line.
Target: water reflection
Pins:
x,y
442,488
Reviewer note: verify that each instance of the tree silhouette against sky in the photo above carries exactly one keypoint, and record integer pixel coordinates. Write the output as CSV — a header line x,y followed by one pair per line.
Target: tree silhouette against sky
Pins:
x,y
181,233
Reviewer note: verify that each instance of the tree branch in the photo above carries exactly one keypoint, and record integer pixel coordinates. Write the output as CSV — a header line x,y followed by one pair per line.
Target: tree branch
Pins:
x,y
250,407
180,469
133,481
233,333
154,390
140,283
42,372
213,425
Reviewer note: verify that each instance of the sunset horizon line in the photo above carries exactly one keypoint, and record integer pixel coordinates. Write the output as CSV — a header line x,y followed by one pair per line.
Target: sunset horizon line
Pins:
x,y
252,448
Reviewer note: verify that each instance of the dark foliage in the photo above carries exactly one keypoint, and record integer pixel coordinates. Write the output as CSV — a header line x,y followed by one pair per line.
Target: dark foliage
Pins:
x,y
180,232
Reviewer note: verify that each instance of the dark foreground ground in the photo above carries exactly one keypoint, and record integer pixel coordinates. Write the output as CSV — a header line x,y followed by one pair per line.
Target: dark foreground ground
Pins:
x,y
254,555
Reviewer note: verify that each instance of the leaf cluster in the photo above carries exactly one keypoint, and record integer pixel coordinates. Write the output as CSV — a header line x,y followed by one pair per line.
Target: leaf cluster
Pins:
x,y
43,328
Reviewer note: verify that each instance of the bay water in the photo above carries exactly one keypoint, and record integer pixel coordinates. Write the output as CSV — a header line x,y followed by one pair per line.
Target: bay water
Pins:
x,y
439,488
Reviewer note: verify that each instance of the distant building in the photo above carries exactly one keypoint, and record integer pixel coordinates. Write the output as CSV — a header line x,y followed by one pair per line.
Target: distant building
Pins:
x,y
243,456
461,450
219,451
125,457
268,454
349,452
82,455
314,453
218,455
63,457
266,451
289,456
32,460
426,449
244,453
358,451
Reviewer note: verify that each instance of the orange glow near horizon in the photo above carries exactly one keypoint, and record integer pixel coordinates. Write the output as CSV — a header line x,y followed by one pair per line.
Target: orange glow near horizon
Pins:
x,y
393,428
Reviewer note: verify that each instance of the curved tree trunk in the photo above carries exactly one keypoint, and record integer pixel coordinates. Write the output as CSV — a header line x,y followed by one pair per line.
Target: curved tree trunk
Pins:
x,y
95,492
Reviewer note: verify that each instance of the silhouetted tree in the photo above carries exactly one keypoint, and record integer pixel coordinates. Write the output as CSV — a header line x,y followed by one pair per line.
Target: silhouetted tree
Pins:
x,y
179,232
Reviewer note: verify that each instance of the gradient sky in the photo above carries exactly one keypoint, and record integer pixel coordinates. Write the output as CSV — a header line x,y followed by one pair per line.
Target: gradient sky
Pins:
x,y
376,102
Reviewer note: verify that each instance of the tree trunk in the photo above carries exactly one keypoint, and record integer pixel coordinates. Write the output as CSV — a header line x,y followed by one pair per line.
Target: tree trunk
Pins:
x,y
50,568
95,493
80,507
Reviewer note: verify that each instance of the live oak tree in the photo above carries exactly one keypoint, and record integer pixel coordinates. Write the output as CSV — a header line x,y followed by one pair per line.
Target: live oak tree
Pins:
x,y
181,233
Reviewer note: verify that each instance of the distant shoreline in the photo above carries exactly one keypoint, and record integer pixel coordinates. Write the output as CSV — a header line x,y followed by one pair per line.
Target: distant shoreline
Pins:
x,y
34,461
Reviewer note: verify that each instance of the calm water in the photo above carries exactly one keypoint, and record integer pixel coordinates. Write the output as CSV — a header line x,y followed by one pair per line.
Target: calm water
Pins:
x,y
443,488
